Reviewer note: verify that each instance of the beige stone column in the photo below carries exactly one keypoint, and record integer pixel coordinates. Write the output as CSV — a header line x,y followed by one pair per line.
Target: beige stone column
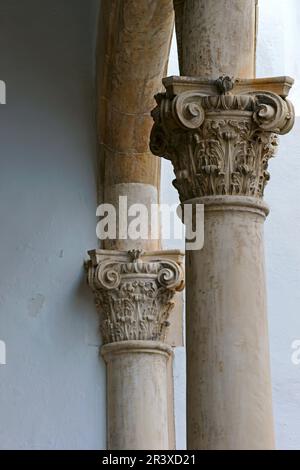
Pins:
x,y
134,40
216,37
134,292
220,136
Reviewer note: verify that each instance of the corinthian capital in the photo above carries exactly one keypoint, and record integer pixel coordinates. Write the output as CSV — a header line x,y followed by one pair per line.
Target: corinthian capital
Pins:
x,y
134,292
221,134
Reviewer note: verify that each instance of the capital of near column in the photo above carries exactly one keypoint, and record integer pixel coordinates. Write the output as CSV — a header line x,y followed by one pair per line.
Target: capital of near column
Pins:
x,y
221,134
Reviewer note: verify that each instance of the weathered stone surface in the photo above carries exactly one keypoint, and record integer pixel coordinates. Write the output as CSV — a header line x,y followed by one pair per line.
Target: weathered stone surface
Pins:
x,y
134,294
229,393
216,37
133,47
219,136
138,402
130,71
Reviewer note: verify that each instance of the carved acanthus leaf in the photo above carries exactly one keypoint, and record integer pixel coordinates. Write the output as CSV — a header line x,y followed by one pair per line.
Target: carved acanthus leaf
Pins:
x,y
219,144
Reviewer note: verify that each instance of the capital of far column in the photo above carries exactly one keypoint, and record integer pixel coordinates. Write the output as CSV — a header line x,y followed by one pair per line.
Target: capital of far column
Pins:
x,y
220,134
134,292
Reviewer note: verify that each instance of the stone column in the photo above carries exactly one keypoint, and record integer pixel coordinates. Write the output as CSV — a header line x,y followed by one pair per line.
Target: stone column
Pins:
x,y
133,313
134,293
220,136
216,37
129,73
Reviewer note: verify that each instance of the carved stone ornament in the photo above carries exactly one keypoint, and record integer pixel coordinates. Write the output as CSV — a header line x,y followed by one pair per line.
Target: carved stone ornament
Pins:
x,y
220,134
134,292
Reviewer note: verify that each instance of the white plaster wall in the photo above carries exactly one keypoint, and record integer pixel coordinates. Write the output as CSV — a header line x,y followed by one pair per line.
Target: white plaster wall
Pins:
x,y
52,390
278,53
169,196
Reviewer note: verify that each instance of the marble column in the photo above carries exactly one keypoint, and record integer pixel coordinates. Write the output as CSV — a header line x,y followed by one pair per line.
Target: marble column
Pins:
x,y
219,135
134,293
216,37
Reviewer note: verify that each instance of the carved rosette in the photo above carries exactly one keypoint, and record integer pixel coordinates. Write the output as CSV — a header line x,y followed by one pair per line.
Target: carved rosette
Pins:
x,y
134,292
220,135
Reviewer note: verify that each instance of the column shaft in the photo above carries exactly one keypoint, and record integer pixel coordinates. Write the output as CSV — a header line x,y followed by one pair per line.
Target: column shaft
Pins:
x,y
229,388
130,70
216,37
134,292
137,420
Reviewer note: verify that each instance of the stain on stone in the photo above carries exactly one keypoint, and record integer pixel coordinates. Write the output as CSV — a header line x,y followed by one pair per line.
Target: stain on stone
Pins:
x,y
35,305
